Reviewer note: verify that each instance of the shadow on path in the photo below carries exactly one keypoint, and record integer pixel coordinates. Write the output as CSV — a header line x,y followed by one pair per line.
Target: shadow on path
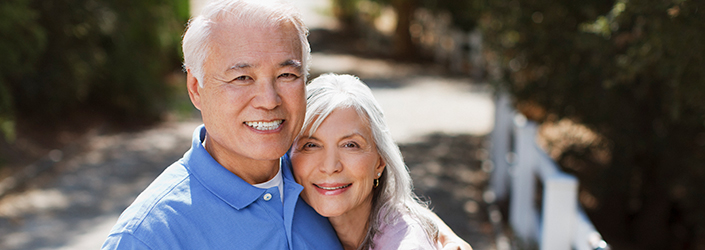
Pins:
x,y
448,171
76,203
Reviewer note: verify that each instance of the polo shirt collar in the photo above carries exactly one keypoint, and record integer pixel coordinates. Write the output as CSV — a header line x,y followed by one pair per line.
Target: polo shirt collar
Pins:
x,y
217,179
286,171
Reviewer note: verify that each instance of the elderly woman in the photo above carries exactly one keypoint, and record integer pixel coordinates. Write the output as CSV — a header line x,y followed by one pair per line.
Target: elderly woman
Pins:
x,y
353,173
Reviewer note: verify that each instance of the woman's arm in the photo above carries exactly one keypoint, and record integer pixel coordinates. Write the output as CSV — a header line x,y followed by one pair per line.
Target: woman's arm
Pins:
x,y
448,239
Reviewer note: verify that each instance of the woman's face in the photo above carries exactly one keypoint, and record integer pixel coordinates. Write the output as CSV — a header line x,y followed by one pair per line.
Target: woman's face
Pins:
x,y
337,165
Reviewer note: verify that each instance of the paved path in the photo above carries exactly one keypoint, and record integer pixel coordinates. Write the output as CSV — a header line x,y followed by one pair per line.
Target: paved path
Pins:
x,y
74,205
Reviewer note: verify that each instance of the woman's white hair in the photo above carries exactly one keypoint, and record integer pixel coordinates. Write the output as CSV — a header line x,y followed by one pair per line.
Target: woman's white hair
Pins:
x,y
394,196
256,13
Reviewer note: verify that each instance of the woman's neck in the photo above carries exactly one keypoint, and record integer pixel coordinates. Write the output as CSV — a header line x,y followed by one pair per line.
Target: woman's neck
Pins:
x,y
352,226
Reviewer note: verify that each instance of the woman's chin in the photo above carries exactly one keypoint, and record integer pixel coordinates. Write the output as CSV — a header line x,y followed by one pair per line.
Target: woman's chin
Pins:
x,y
328,212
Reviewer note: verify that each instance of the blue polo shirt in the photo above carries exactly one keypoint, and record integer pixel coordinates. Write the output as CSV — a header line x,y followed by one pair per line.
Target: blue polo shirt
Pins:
x,y
198,204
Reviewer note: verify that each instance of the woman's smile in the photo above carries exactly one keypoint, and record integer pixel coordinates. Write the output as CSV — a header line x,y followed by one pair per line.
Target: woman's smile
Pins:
x,y
336,189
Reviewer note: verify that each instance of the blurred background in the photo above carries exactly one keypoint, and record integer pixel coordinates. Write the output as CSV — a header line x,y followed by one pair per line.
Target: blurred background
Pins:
x,y
93,106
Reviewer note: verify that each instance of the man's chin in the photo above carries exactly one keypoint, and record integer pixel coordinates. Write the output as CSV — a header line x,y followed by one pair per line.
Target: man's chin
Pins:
x,y
271,153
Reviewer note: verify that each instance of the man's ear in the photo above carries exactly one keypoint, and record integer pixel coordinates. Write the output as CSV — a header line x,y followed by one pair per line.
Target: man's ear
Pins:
x,y
193,89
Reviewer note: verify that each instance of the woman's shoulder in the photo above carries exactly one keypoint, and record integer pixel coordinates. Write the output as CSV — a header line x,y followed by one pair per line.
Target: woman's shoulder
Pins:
x,y
403,231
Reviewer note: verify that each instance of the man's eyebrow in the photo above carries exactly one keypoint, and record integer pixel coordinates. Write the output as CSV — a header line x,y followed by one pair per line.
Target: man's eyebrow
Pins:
x,y
240,66
292,63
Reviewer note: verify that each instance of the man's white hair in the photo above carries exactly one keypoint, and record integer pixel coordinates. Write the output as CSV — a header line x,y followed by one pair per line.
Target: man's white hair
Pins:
x,y
255,13
394,196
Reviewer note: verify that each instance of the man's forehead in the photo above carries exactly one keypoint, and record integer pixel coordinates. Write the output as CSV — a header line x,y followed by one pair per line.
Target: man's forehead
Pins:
x,y
231,24
248,47
248,33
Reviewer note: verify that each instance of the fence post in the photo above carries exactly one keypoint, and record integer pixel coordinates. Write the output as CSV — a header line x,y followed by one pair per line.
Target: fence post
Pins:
x,y
499,180
522,213
559,211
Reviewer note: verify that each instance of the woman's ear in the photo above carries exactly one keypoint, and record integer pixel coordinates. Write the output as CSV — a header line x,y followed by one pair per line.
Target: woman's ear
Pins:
x,y
193,89
382,164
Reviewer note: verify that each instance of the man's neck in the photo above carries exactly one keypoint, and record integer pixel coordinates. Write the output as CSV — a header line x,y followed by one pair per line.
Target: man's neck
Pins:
x,y
250,170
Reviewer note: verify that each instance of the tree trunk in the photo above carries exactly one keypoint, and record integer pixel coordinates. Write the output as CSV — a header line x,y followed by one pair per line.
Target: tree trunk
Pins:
x,y
403,46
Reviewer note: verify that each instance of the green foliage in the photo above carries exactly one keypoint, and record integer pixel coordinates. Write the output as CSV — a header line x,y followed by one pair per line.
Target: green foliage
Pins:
x,y
346,12
632,71
22,43
103,56
464,13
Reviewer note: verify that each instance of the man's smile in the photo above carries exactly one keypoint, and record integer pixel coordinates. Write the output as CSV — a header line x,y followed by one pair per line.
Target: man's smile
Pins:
x,y
265,126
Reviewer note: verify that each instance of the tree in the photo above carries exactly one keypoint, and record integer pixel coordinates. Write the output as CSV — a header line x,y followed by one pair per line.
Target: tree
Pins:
x,y
631,71
464,15
67,57
23,41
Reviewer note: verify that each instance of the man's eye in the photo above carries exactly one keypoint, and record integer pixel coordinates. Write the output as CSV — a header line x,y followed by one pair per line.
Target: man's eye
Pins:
x,y
242,78
309,145
289,76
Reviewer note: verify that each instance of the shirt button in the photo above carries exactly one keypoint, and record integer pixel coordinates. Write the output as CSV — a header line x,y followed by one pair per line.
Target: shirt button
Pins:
x,y
267,196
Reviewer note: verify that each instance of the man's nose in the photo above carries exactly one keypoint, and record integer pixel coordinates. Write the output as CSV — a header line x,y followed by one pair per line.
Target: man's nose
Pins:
x,y
267,96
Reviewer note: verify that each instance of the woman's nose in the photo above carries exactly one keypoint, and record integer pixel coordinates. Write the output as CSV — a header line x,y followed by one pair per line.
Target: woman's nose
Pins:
x,y
332,163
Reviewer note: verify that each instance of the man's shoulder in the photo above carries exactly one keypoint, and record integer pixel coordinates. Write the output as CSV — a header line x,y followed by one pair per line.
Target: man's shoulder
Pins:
x,y
169,188
311,230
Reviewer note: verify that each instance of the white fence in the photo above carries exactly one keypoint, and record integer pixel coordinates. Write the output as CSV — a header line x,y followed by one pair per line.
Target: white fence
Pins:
x,y
518,164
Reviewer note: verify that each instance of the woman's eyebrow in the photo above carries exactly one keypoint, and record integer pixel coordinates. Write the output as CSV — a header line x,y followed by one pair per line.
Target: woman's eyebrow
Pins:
x,y
354,134
311,137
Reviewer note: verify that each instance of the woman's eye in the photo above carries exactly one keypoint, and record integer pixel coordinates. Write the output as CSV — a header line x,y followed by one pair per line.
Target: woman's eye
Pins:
x,y
351,145
309,145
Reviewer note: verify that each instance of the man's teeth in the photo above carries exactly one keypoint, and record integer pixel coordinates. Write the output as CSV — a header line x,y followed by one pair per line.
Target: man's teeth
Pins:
x,y
265,125
333,188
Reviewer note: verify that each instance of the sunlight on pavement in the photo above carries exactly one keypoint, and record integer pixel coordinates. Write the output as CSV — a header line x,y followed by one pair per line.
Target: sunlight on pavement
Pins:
x,y
93,237
417,105
434,105
361,67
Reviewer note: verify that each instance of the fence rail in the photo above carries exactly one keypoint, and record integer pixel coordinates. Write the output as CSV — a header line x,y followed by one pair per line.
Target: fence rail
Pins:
x,y
559,223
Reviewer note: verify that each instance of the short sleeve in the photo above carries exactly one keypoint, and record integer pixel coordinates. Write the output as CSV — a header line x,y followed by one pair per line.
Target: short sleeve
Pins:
x,y
124,241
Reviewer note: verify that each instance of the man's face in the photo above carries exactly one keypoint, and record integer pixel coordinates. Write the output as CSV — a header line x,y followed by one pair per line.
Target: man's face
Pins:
x,y
253,99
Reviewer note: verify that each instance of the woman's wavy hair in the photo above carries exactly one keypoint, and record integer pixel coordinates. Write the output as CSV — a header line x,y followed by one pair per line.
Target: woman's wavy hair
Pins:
x,y
394,196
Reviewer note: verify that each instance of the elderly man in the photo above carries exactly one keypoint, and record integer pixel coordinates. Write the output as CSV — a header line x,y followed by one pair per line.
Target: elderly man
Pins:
x,y
246,67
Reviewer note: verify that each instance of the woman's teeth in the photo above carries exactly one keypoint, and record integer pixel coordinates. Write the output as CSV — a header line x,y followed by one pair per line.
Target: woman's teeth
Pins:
x,y
333,188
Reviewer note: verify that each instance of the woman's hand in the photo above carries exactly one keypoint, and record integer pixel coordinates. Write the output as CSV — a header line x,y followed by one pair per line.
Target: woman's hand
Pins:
x,y
446,237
